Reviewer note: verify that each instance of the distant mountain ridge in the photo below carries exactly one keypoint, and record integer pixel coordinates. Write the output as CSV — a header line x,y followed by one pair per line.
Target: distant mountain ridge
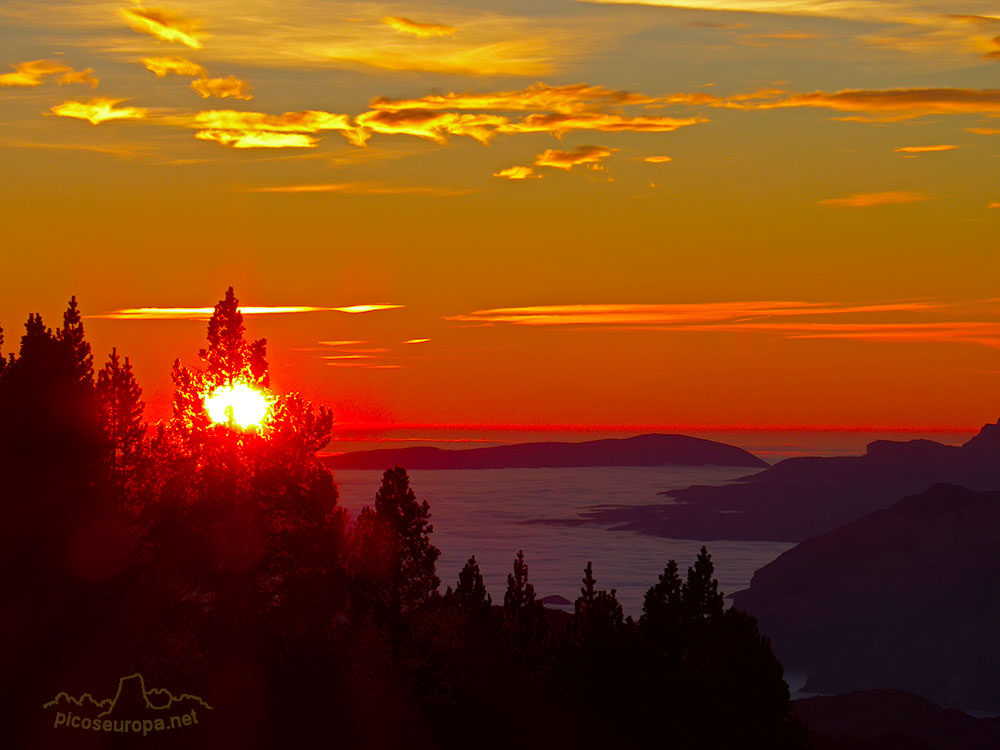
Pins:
x,y
801,497
904,598
641,450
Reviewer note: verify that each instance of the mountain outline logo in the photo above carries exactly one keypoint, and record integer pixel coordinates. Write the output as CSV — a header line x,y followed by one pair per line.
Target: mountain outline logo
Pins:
x,y
134,709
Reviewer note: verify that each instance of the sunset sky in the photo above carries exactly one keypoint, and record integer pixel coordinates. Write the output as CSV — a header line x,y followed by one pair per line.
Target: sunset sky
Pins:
x,y
721,213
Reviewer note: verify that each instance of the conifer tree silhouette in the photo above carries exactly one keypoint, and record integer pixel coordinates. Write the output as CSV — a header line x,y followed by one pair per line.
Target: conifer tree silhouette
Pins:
x,y
120,410
523,616
470,593
700,593
395,559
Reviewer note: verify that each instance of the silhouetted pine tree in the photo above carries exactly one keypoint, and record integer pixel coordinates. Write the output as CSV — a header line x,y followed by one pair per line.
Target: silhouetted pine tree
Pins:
x,y
78,348
523,617
229,357
598,620
395,559
700,593
470,593
120,409
662,606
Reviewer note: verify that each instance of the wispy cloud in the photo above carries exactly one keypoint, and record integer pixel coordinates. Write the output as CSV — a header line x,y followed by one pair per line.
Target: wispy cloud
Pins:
x,y
422,30
434,126
924,149
34,72
792,320
984,131
517,173
256,138
362,188
867,200
204,313
608,123
590,155
162,66
98,110
539,97
660,314
417,341
658,159
229,87
164,25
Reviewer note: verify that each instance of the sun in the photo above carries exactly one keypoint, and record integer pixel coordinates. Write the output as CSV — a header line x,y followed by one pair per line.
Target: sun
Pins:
x,y
238,403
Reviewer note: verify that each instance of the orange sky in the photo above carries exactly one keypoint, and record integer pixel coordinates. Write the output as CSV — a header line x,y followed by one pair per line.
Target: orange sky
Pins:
x,y
734,212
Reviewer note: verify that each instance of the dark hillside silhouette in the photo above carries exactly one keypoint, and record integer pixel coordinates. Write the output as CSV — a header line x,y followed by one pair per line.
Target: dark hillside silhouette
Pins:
x,y
800,497
642,450
903,598
888,719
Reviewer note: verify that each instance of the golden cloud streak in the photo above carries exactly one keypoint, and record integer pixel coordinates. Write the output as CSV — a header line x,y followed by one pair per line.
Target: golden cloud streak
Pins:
x,y
163,25
984,131
538,97
922,101
867,200
422,30
98,110
256,139
517,173
204,313
752,317
676,314
162,66
658,159
229,87
924,149
362,188
434,126
559,123
416,341
256,129
33,73
569,159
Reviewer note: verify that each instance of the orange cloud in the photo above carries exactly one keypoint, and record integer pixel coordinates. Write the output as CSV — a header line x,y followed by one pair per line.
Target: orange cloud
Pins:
x,y
517,173
417,341
924,149
229,87
984,131
569,159
256,129
538,97
98,110
204,313
256,138
563,123
34,72
422,30
162,66
434,126
754,317
362,188
658,159
163,25
995,204
866,200
922,101
676,314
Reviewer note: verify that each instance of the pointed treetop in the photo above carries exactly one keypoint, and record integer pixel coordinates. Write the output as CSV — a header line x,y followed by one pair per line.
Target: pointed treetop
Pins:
x,y
230,358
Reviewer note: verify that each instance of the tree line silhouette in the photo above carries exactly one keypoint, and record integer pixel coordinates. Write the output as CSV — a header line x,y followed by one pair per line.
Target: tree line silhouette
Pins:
x,y
218,560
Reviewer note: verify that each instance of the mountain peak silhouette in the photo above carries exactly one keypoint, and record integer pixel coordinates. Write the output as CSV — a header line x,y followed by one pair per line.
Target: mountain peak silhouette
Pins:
x,y
130,699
